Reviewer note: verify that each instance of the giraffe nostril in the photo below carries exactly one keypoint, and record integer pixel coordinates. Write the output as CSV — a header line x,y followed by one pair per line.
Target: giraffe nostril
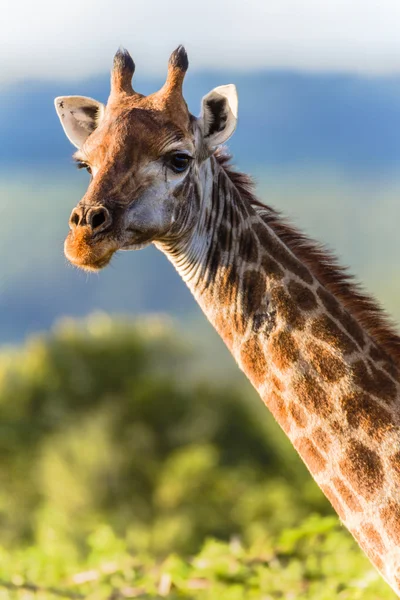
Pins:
x,y
74,219
98,218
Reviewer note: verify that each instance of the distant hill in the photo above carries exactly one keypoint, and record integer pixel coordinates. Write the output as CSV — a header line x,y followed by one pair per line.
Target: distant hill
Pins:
x,y
284,118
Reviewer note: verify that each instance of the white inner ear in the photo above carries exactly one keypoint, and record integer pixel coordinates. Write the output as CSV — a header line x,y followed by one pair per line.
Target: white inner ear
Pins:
x,y
219,114
79,117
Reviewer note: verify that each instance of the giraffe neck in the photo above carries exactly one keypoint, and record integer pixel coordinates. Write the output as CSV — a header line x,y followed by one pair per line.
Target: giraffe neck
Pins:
x,y
330,387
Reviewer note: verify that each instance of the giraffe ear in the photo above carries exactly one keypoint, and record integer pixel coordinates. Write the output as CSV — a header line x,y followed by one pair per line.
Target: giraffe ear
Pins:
x,y
219,115
79,117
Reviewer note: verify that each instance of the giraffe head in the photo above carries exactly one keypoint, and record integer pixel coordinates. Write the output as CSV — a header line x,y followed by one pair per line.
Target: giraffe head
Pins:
x,y
143,154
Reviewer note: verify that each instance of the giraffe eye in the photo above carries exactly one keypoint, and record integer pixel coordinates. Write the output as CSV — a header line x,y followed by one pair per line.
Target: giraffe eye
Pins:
x,y
83,165
178,162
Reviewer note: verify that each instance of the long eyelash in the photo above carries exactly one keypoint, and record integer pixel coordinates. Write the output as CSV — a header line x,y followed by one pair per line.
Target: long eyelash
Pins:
x,y
170,156
81,165
188,156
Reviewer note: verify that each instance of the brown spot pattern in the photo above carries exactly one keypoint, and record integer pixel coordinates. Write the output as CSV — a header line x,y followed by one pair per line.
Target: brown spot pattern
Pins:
x,y
312,396
239,322
248,247
373,538
326,330
377,354
283,349
324,265
363,468
302,296
224,235
327,365
390,516
378,383
346,495
281,253
253,291
298,414
271,268
286,308
277,383
395,464
253,360
311,456
392,369
384,383
277,406
225,288
212,265
321,438
374,557
362,411
337,427
330,302
353,328
224,329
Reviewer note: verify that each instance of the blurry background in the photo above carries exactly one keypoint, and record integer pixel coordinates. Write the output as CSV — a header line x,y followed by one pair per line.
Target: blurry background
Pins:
x,y
139,424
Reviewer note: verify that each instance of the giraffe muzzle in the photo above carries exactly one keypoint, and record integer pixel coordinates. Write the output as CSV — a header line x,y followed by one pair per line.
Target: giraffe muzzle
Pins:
x,y
89,244
97,218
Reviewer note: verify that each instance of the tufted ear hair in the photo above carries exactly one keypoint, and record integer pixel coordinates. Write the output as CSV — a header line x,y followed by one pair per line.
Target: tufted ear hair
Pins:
x,y
79,117
219,115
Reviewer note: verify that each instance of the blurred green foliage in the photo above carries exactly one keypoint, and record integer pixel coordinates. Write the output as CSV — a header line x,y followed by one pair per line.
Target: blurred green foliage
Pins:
x,y
314,561
117,463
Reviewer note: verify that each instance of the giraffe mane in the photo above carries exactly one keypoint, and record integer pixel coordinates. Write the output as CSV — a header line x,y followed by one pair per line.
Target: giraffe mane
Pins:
x,y
323,263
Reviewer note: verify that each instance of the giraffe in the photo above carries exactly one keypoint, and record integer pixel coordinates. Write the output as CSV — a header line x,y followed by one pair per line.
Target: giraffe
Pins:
x,y
322,355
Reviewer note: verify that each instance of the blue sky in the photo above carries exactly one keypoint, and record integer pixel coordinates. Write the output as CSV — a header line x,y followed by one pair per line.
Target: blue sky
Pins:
x,y
47,39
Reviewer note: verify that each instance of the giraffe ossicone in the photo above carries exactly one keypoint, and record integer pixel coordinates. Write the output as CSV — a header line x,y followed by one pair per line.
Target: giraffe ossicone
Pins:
x,y
322,355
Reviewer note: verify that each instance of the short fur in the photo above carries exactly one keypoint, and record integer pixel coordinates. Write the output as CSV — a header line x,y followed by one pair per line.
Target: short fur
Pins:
x,y
324,265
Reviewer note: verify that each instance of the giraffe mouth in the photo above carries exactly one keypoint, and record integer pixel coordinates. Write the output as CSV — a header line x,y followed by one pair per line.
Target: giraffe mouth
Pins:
x,y
87,253
91,265
91,251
